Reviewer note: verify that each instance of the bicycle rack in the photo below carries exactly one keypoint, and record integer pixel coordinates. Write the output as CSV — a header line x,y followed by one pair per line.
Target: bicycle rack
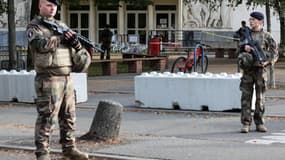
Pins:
x,y
195,49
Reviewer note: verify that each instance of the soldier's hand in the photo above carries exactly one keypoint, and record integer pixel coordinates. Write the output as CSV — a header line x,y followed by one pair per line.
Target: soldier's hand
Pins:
x,y
272,62
68,34
248,48
266,63
52,42
72,39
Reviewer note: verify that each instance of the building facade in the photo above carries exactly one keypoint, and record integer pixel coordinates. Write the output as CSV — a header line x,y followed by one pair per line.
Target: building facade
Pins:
x,y
172,20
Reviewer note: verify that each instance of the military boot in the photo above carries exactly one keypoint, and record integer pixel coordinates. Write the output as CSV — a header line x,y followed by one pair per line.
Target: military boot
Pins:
x,y
74,154
43,157
245,129
261,128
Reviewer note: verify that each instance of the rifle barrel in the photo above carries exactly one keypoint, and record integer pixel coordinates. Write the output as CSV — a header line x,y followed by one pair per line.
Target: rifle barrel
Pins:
x,y
60,30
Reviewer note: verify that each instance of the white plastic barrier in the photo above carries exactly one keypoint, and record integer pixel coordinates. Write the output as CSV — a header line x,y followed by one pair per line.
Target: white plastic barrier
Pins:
x,y
5,92
192,91
20,86
24,86
80,86
12,83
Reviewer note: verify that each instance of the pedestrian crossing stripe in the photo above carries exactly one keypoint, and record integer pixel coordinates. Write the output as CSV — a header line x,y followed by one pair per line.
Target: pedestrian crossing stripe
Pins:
x,y
267,140
260,141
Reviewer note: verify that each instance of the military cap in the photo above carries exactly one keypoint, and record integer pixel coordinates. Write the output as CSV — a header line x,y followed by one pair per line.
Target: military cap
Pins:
x,y
56,2
257,15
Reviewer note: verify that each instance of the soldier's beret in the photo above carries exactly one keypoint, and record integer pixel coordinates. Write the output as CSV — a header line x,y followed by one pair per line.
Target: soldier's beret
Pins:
x,y
56,2
257,15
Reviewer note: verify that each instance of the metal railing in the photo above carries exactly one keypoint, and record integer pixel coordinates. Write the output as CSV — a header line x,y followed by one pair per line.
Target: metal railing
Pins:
x,y
21,57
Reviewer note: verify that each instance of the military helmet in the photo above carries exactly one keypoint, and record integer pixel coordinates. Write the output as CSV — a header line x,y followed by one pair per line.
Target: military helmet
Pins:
x,y
81,61
245,60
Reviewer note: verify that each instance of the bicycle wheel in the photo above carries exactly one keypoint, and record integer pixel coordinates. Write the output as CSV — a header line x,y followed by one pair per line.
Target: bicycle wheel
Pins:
x,y
199,64
179,65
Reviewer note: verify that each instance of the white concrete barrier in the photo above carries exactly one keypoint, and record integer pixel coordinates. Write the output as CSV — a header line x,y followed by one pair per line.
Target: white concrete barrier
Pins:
x,y
20,86
5,92
193,91
80,86
24,86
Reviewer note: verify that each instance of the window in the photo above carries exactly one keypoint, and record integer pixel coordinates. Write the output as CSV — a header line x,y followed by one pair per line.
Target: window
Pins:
x,y
79,22
136,24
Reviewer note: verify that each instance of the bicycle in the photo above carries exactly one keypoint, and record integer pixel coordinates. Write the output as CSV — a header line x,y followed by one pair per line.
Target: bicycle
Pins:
x,y
196,59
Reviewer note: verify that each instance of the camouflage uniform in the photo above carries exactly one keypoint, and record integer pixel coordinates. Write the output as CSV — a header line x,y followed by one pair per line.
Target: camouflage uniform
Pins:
x,y
256,77
54,87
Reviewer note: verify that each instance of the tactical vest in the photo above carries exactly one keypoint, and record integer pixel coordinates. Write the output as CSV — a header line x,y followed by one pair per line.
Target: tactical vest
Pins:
x,y
60,57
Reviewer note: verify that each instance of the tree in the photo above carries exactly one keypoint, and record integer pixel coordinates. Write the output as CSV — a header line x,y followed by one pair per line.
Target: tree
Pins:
x,y
12,35
268,18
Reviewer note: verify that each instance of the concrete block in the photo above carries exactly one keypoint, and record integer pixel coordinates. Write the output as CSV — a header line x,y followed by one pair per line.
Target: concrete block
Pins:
x,y
20,86
80,86
193,91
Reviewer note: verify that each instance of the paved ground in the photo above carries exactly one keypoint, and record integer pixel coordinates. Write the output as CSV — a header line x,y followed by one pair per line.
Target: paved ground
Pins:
x,y
156,134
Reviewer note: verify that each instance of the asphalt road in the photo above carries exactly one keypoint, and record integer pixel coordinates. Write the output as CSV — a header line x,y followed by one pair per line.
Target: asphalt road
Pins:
x,y
155,134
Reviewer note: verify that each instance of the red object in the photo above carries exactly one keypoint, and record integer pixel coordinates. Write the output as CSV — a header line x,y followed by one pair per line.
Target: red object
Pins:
x,y
190,57
198,51
154,46
91,51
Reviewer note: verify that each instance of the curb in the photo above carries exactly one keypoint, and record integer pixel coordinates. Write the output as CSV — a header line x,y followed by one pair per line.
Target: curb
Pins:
x,y
235,113
91,155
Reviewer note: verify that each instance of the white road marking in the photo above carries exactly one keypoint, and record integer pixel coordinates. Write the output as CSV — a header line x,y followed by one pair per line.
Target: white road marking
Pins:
x,y
267,140
280,134
260,141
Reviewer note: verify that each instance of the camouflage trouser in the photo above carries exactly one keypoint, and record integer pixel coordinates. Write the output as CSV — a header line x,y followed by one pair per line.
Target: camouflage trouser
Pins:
x,y
258,79
55,101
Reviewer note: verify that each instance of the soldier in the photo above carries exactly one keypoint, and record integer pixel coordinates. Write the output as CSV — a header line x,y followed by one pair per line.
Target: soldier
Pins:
x,y
254,73
53,58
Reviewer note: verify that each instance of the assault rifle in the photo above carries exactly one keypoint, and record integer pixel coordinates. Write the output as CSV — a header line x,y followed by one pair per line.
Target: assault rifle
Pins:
x,y
86,43
257,51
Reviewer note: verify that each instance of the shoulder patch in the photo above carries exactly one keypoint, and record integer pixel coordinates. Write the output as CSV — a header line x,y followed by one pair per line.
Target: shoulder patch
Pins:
x,y
30,34
33,33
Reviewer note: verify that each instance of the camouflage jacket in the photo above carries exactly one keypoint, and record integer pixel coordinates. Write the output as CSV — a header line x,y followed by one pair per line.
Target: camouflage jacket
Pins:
x,y
267,43
49,60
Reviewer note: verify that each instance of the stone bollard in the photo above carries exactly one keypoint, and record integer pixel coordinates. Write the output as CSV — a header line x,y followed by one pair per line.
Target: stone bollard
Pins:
x,y
106,122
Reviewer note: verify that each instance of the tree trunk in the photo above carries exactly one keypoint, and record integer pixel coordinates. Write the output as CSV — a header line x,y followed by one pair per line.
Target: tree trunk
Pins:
x,y
282,28
106,122
268,18
12,35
